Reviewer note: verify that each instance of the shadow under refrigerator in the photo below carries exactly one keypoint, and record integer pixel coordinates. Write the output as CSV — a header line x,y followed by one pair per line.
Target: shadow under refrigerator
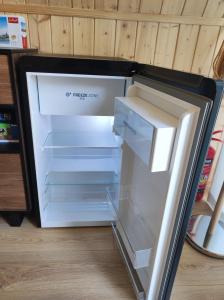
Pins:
x,y
114,142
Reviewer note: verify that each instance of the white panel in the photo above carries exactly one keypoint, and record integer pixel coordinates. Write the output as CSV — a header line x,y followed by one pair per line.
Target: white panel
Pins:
x,y
66,95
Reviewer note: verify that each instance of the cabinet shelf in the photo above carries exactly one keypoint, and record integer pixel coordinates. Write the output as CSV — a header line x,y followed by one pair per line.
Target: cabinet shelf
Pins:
x,y
9,146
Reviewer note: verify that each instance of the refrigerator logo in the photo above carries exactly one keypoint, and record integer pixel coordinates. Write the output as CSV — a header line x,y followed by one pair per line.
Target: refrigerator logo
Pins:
x,y
81,96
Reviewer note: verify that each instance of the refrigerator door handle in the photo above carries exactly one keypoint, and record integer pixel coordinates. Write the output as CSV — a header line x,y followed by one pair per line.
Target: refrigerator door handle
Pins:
x,y
139,291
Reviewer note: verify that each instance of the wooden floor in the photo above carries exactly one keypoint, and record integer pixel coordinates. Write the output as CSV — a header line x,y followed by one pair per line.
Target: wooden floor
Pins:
x,y
83,264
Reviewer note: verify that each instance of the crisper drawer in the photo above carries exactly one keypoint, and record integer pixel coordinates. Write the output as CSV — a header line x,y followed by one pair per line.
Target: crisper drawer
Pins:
x,y
12,194
151,143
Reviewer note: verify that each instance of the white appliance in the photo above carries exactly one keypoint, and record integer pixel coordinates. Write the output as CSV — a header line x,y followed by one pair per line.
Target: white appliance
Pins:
x,y
121,150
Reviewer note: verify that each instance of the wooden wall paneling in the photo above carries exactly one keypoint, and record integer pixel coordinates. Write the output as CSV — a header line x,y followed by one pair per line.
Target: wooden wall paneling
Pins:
x,y
173,7
13,1
1,12
214,8
152,6
187,40
62,3
166,45
146,42
37,2
218,45
194,8
40,32
188,35
125,39
83,36
205,49
131,5
62,35
122,16
34,31
85,4
104,44
107,5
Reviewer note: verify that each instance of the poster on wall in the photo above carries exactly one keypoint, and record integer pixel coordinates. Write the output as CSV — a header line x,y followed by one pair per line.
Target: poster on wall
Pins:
x,y
13,32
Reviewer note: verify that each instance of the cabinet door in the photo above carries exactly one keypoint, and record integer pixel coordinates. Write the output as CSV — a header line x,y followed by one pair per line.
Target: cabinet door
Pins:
x,y
6,95
12,195
162,129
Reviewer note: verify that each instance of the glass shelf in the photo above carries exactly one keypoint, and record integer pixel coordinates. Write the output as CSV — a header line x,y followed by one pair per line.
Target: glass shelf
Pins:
x,y
61,140
82,178
75,202
80,150
78,193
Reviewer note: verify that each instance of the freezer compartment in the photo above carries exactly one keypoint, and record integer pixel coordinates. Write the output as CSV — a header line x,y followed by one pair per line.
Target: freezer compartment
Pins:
x,y
82,198
148,131
74,94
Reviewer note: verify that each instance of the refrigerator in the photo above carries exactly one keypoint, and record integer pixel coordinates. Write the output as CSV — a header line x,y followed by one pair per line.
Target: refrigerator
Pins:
x,y
117,143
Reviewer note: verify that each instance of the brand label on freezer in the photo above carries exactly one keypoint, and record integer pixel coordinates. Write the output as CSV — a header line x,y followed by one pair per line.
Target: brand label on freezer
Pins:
x,y
81,96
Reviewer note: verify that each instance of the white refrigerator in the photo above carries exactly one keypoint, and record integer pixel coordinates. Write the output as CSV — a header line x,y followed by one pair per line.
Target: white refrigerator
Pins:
x,y
115,143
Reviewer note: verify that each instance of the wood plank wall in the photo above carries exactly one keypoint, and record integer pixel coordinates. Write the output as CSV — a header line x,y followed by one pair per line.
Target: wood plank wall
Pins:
x,y
189,47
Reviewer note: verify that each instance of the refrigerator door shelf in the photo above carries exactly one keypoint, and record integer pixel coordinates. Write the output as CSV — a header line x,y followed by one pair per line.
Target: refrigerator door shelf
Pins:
x,y
148,130
138,254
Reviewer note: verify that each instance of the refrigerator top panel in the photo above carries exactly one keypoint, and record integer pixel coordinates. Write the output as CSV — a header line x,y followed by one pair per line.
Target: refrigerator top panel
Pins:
x,y
78,65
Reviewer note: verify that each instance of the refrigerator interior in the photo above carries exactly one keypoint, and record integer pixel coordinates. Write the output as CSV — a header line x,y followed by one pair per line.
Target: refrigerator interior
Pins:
x,y
111,152
77,154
